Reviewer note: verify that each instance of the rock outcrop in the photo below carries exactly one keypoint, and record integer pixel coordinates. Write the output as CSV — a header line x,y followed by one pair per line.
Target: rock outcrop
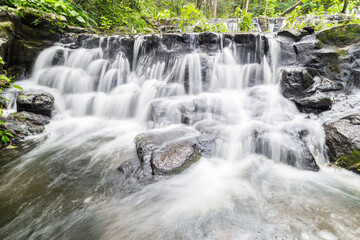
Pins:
x,y
340,36
343,142
311,92
42,103
169,151
34,112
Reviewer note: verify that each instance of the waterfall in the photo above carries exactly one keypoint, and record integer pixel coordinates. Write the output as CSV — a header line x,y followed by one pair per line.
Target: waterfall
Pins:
x,y
254,185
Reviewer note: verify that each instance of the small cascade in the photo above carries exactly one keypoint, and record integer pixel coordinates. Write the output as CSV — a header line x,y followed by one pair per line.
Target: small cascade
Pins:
x,y
265,176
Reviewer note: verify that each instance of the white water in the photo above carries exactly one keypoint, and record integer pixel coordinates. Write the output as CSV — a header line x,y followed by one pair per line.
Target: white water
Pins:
x,y
68,187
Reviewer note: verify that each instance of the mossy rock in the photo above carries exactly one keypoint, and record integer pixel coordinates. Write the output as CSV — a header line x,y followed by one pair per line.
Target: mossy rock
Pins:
x,y
7,30
350,162
340,36
192,159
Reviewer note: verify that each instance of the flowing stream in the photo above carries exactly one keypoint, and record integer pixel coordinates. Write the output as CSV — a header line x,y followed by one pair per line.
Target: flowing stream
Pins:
x,y
68,187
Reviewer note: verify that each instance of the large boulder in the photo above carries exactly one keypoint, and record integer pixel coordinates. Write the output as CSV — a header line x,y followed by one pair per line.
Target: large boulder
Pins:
x,y
311,92
294,34
340,36
292,150
169,151
26,123
42,103
343,142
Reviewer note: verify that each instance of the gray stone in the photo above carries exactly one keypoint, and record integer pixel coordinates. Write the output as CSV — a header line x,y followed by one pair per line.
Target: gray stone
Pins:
x,y
311,92
343,142
26,123
170,151
42,103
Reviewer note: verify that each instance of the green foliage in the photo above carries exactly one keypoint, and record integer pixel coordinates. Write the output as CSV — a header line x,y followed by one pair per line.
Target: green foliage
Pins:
x,y
163,15
270,8
73,14
351,161
245,23
204,25
189,15
6,136
5,82
140,16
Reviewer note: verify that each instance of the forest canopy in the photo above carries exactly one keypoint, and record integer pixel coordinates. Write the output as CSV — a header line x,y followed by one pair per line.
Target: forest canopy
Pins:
x,y
144,15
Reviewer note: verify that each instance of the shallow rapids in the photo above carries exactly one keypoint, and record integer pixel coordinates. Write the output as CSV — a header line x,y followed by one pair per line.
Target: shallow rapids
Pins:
x,y
68,186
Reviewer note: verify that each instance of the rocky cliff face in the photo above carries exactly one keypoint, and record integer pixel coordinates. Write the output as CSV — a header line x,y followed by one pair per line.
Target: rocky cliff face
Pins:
x,y
314,71
23,38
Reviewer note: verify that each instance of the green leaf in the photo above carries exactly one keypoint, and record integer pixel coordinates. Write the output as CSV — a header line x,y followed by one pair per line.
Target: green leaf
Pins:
x,y
5,139
3,77
17,87
2,122
73,14
9,134
80,19
5,99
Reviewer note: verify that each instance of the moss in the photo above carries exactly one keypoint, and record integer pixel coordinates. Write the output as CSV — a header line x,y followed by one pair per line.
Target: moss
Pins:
x,y
340,36
323,102
7,26
31,44
351,161
192,159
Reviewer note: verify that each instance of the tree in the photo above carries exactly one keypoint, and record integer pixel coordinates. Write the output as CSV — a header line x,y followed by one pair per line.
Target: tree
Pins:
x,y
345,6
292,8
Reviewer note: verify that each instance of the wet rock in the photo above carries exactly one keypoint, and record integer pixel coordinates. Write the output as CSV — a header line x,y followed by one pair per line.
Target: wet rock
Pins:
x,y
288,54
170,151
208,38
42,103
343,142
295,34
292,150
316,103
174,157
310,29
3,103
188,112
130,167
305,51
26,123
340,36
157,146
308,89
294,81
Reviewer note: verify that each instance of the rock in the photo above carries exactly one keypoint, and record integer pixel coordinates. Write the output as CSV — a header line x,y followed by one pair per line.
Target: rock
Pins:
x,y
209,38
340,36
157,146
3,103
170,151
26,123
308,89
310,29
316,103
174,157
293,151
263,23
42,103
296,81
295,34
343,142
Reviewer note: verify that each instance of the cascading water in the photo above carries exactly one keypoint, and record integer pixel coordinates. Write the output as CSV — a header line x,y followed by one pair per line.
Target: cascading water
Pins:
x,y
111,89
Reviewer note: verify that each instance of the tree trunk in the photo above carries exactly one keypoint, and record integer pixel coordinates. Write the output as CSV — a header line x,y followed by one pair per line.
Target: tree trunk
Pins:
x,y
345,6
198,4
214,8
292,8
247,5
